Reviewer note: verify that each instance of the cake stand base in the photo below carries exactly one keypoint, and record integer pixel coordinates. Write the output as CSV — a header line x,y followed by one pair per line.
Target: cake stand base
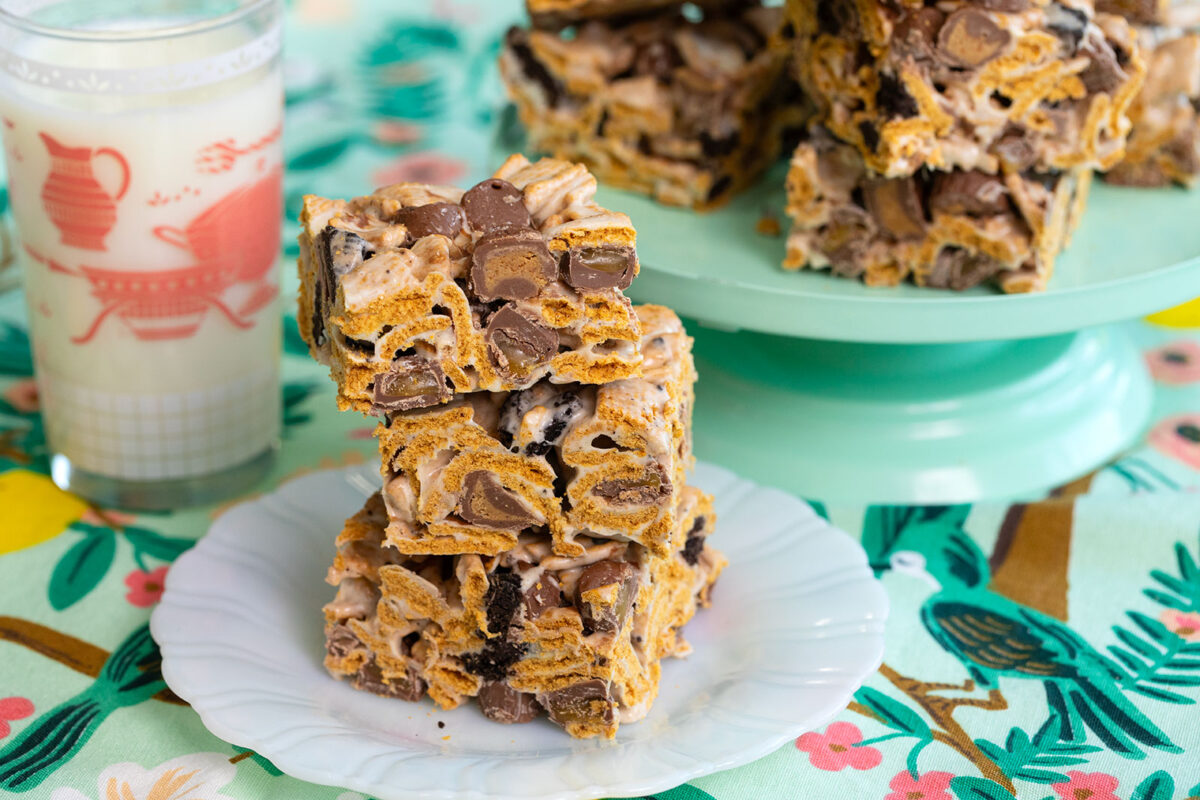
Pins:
x,y
918,424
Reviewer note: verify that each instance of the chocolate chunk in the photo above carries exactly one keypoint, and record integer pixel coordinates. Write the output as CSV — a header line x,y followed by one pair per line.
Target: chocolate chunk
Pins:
x,y
1067,23
486,502
1007,6
974,193
512,265
443,218
369,678
845,240
501,703
658,58
916,32
518,344
652,487
970,38
496,205
1145,12
959,269
495,659
517,41
1015,149
870,134
341,641
715,146
411,382
587,701
543,594
607,617
1103,72
893,98
602,267
502,600
896,206
694,545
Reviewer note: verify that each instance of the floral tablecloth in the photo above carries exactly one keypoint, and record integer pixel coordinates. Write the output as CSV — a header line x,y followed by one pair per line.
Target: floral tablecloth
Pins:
x,y
1045,650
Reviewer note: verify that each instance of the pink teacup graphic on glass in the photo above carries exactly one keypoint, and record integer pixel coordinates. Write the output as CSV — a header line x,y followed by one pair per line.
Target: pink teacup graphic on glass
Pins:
x,y
238,233
75,201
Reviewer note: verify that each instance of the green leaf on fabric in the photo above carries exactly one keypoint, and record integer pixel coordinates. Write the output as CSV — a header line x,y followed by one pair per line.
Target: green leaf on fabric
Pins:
x,y
321,155
911,761
819,508
151,543
1138,645
1040,776
16,356
684,792
968,788
893,713
1168,600
1159,786
82,568
1152,627
1163,695
263,762
293,342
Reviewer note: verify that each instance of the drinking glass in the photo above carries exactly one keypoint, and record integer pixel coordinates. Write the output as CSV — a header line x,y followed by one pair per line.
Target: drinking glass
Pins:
x,y
142,141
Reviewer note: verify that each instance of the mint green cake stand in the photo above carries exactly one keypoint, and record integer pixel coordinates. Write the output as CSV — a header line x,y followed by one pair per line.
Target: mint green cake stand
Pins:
x,y
824,387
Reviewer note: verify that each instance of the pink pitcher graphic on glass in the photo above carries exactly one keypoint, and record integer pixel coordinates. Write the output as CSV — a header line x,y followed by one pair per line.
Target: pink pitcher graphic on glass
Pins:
x,y
75,201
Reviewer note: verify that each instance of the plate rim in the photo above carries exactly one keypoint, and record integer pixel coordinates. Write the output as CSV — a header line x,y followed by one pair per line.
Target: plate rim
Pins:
x,y
874,626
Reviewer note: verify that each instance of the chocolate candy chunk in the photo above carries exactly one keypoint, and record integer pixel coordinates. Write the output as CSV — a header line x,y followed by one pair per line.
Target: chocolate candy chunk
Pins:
x,y
502,600
896,206
443,218
1103,73
652,487
369,678
543,594
496,205
975,193
961,269
518,344
1145,12
581,702
486,502
493,662
1067,23
694,545
893,98
341,641
600,267
501,703
970,39
511,266
517,40
609,615
411,382
916,32
1015,150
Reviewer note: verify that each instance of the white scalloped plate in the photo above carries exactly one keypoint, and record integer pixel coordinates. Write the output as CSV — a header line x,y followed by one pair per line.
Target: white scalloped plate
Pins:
x,y
796,626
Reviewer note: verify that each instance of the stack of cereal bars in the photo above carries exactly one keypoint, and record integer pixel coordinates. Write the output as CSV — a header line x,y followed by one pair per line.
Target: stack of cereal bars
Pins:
x,y
535,544
955,141
688,103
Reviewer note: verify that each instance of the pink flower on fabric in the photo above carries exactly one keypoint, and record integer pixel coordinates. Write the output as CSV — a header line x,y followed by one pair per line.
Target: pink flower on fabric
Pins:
x,y
834,749
12,708
930,786
427,167
23,396
1178,438
1087,786
145,588
106,518
1184,624
391,132
1176,363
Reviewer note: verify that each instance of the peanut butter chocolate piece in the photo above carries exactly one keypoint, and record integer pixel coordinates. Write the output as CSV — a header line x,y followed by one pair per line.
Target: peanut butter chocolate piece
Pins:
x,y
511,265
501,703
495,205
916,32
616,584
1103,73
652,487
579,703
957,268
411,382
486,502
970,38
896,206
442,218
600,267
544,593
518,344
370,679
974,193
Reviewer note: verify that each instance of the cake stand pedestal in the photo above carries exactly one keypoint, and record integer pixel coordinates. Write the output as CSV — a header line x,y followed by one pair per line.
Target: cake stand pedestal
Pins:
x,y
838,392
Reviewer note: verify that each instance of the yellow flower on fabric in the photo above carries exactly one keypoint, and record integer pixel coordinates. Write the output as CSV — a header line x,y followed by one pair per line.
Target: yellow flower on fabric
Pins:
x,y
33,510
199,776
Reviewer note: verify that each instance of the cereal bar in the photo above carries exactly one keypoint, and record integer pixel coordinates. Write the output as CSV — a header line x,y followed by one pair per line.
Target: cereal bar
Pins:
x,y
556,14
686,111
952,229
523,632
415,293
960,84
608,460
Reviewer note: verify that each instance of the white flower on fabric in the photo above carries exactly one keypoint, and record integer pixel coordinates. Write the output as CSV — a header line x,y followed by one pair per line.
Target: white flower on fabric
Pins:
x,y
195,777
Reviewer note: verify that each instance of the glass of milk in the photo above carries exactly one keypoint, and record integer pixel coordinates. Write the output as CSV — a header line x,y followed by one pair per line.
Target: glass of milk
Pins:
x,y
142,140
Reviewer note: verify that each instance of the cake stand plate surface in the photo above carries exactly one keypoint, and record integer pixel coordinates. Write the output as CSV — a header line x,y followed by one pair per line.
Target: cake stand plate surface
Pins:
x,y
1137,251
